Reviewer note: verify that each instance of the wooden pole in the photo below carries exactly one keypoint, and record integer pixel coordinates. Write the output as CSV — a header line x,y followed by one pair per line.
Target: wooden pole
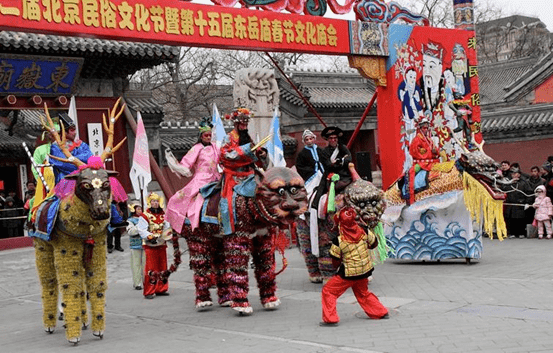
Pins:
x,y
309,106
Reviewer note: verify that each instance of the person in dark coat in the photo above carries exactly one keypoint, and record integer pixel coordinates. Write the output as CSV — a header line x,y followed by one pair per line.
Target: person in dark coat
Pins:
x,y
548,176
308,162
534,180
335,159
518,194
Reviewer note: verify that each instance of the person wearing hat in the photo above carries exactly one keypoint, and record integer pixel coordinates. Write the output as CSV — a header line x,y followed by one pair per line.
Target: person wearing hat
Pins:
x,y
239,163
350,252
308,162
154,231
202,159
78,149
513,210
138,255
422,148
544,211
335,158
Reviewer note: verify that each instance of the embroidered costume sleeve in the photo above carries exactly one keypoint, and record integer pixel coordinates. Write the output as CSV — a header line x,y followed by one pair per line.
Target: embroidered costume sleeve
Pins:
x,y
78,150
233,155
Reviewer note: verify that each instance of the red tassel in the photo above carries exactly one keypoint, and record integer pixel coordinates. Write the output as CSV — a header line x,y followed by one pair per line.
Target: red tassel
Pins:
x,y
88,250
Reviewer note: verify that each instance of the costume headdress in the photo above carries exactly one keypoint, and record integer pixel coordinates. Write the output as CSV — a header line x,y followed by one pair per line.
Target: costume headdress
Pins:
x,y
423,121
205,125
66,120
433,49
331,130
240,115
154,196
133,205
348,226
307,133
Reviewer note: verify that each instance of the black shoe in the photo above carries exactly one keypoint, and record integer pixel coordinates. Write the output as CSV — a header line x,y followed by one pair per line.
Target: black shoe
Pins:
x,y
150,296
162,294
328,324
387,316
119,249
110,250
138,287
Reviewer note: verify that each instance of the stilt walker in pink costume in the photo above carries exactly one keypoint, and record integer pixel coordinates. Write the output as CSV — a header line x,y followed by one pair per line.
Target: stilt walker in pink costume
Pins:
x,y
187,203
352,249
206,253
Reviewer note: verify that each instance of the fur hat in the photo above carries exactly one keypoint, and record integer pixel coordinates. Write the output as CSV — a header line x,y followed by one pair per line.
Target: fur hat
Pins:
x,y
332,131
307,133
540,187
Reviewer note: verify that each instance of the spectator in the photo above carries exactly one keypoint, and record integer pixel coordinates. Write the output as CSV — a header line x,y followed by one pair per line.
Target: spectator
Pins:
x,y
17,201
516,199
13,226
534,181
548,176
544,211
30,193
504,169
523,175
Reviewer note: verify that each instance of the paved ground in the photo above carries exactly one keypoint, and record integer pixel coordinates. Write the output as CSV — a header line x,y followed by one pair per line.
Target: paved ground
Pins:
x,y
502,303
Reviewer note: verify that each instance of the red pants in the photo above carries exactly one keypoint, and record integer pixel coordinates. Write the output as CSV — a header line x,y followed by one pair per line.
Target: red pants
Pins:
x,y
156,260
336,286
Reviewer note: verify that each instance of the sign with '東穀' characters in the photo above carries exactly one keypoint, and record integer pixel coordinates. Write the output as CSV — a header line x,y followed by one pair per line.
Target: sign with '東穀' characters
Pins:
x,y
29,75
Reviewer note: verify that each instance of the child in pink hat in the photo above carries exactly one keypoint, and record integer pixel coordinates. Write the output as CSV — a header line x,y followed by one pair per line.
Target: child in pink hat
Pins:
x,y
544,211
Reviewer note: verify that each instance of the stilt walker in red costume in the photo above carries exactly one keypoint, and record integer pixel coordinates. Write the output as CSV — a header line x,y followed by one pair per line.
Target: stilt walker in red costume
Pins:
x,y
239,163
154,231
352,249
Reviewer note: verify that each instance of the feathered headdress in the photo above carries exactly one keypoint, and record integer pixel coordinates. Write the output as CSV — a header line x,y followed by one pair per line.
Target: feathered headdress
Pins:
x,y
205,124
240,115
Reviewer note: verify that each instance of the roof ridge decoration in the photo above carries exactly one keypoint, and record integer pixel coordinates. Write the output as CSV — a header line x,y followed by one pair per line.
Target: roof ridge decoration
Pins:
x,y
308,7
379,11
537,70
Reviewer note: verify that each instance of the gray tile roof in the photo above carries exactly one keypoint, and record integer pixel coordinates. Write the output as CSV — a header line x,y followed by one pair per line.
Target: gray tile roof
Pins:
x,y
531,118
334,90
103,58
72,46
494,78
513,21
144,105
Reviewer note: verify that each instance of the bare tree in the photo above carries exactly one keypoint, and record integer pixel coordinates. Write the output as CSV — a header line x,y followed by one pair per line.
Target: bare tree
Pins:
x,y
188,88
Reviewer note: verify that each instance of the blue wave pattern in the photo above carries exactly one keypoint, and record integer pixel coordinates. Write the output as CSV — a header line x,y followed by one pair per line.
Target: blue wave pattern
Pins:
x,y
423,241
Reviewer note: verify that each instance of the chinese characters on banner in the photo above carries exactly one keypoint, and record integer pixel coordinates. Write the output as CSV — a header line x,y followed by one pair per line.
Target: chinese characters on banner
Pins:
x,y
184,23
21,74
95,138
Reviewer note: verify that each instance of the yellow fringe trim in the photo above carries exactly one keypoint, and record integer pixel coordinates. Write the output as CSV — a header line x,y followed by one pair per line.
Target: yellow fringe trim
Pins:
x,y
479,202
444,167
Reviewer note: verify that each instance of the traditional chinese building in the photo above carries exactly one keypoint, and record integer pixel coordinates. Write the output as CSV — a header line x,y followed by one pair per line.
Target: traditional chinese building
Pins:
x,y
36,69
517,110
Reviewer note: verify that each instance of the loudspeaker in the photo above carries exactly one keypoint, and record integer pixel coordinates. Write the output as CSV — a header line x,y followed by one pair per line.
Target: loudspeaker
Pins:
x,y
363,165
